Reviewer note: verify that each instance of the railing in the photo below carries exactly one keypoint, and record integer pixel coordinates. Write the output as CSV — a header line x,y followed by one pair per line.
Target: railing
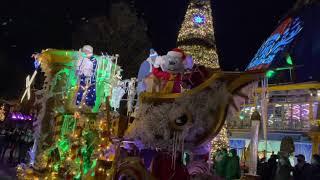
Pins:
x,y
273,124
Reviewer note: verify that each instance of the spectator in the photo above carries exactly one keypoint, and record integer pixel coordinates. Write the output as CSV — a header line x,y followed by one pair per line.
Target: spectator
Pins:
x,y
302,170
284,168
261,167
233,166
25,140
7,142
2,140
315,167
270,171
221,162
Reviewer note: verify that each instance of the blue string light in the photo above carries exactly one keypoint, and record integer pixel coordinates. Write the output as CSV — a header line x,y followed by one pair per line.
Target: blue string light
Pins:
x,y
276,44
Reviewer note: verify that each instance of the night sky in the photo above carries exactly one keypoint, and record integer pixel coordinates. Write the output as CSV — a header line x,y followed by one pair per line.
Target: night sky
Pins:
x,y
29,26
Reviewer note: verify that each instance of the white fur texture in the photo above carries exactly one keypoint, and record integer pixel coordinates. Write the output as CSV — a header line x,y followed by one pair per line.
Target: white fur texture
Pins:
x,y
153,121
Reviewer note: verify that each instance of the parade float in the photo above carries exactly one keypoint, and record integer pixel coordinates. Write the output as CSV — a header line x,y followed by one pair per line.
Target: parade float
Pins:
x,y
80,134
72,129
178,103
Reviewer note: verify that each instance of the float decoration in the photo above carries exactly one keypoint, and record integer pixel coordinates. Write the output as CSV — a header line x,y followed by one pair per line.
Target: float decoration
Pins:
x,y
72,128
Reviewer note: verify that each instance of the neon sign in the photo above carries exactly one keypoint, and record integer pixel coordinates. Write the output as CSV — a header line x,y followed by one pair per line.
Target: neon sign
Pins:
x,y
276,43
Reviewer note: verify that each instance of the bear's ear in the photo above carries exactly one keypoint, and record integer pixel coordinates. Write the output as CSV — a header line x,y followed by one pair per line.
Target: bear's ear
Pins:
x,y
158,62
188,62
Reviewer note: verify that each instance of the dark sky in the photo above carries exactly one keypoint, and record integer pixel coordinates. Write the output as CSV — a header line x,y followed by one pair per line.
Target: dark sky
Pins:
x,y
29,26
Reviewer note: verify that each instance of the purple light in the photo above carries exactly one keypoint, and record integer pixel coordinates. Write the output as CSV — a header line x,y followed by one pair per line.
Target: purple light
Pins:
x,y
20,116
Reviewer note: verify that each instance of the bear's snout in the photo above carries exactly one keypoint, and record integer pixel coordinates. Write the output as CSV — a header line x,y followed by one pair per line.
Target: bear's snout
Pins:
x,y
172,63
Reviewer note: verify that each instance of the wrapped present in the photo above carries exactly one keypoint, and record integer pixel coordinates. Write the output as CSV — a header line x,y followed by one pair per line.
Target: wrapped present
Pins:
x,y
153,84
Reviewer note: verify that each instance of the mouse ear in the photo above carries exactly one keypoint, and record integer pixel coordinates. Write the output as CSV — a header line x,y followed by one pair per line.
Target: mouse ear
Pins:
x,y
188,62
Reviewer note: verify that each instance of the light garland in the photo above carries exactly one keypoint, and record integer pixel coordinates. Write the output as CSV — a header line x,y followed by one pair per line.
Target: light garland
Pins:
x,y
81,145
20,116
2,113
221,141
196,36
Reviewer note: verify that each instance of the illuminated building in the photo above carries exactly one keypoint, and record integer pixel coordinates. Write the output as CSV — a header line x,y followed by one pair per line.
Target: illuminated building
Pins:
x,y
289,56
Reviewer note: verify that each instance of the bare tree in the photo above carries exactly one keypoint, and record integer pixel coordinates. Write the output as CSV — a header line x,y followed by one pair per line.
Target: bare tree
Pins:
x,y
121,32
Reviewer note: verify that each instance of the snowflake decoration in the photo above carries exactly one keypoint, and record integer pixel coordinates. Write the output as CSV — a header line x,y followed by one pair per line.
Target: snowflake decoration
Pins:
x,y
199,19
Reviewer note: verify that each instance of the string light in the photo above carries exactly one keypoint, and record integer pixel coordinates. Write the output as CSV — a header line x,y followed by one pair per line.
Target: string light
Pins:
x,y
2,113
76,141
196,36
221,141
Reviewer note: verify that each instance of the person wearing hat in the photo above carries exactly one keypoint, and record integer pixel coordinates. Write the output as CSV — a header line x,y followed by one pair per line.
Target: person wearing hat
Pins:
x,y
86,71
145,70
302,169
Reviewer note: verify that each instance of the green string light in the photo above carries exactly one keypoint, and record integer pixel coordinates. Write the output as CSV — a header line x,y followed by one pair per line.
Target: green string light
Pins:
x,y
56,167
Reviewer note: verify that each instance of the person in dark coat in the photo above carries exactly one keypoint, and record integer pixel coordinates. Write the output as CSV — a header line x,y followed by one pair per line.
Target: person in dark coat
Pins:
x,y
221,163
315,167
271,168
233,166
302,169
284,168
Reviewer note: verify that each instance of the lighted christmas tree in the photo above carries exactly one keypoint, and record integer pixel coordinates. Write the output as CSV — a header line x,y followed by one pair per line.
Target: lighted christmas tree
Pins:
x,y
221,141
196,36
2,113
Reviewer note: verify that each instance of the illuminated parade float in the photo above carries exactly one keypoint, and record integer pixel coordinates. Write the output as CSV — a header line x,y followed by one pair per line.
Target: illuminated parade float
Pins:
x,y
179,114
174,108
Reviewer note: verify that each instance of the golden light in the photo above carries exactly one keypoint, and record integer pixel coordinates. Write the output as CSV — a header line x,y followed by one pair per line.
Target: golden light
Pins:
x,y
2,113
198,40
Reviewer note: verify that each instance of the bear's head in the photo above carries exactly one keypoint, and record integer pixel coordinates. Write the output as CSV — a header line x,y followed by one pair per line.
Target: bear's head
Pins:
x,y
174,61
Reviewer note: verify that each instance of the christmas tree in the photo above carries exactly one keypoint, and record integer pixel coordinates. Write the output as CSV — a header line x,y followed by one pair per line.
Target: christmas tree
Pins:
x,y
2,113
196,36
221,141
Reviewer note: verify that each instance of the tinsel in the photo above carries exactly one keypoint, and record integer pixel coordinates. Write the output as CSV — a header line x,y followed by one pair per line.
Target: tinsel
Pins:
x,y
131,96
41,99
